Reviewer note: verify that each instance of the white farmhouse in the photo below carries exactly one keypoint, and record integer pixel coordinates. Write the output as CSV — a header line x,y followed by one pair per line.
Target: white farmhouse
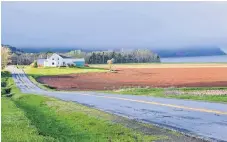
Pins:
x,y
59,60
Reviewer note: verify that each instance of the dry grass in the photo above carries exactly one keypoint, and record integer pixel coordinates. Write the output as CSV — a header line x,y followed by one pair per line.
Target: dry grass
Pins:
x,y
161,65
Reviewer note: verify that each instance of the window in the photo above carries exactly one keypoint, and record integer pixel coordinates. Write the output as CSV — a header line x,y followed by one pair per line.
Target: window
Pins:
x,y
58,58
52,58
52,63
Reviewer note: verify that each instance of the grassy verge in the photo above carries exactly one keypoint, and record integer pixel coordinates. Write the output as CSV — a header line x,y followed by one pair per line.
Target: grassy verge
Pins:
x,y
16,126
40,85
28,117
52,118
160,92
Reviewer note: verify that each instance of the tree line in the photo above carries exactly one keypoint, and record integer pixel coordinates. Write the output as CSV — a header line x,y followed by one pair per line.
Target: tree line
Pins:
x,y
101,57
10,55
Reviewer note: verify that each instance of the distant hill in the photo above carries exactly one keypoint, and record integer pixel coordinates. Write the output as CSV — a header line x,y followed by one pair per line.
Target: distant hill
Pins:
x,y
174,52
61,50
13,49
189,52
67,49
38,50
224,50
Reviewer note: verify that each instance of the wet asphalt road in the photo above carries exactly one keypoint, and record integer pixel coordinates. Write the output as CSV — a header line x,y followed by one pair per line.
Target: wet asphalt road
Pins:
x,y
202,119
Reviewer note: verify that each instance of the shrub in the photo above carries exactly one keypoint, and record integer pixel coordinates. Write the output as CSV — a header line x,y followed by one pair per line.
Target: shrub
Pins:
x,y
35,65
5,91
46,85
5,74
3,84
70,65
9,95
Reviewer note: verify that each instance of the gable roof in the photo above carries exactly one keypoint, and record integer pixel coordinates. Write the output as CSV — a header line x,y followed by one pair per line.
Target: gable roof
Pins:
x,y
64,56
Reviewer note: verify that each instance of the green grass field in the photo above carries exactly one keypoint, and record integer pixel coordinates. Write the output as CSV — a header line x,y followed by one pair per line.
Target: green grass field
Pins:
x,y
34,73
29,117
160,92
45,71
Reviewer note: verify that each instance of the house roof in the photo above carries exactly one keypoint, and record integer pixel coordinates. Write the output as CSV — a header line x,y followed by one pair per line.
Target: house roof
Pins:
x,y
64,56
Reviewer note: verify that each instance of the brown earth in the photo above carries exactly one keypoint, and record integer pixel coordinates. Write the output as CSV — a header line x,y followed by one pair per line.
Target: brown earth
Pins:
x,y
143,77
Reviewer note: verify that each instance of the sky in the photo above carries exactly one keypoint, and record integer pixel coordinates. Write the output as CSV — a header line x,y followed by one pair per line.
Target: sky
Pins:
x,y
110,25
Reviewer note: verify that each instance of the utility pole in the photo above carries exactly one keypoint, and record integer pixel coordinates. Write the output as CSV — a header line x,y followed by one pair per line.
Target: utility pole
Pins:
x,y
103,57
122,55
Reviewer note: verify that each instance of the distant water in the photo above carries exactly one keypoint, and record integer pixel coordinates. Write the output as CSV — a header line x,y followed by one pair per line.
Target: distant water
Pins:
x,y
200,59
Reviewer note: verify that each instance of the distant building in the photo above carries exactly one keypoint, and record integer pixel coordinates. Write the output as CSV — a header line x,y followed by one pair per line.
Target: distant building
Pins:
x,y
59,60
40,62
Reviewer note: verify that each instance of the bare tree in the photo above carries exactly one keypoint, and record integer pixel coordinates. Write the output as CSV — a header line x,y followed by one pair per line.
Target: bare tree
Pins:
x,y
110,63
5,56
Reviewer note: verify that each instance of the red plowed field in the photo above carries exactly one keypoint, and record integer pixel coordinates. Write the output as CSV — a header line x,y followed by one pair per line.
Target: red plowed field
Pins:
x,y
134,77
